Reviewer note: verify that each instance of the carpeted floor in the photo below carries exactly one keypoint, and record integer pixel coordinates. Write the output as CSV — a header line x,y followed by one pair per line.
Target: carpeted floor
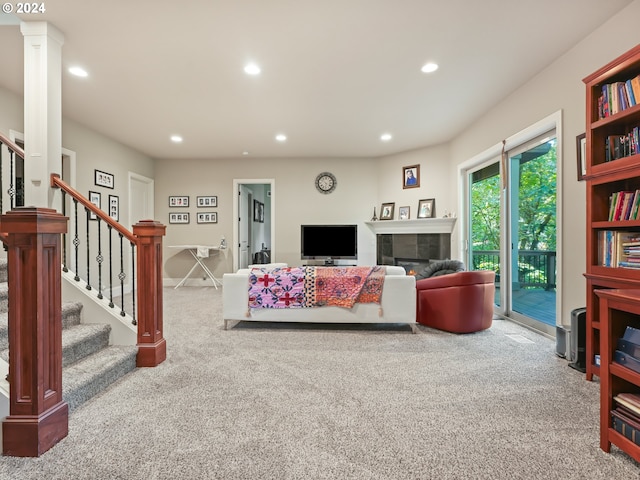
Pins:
x,y
291,401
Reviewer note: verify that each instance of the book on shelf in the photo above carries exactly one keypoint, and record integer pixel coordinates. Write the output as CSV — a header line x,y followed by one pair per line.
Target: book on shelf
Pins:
x,y
621,145
625,426
624,205
629,347
627,361
618,249
632,334
630,401
618,96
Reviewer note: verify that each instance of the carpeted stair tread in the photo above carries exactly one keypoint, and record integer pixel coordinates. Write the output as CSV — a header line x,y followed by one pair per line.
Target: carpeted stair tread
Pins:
x,y
71,314
79,341
90,376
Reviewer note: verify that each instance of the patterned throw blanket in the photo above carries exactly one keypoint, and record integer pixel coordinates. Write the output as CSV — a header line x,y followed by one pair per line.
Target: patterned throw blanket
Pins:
x,y
304,287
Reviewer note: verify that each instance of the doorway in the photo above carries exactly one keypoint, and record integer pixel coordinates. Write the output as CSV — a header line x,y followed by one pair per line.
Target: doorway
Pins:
x,y
512,199
141,199
254,230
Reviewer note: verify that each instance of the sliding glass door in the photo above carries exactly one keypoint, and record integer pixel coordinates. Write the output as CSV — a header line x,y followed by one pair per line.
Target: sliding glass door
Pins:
x,y
511,200
484,220
532,230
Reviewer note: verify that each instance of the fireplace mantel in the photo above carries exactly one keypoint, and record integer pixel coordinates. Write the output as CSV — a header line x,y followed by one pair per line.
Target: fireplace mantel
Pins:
x,y
421,225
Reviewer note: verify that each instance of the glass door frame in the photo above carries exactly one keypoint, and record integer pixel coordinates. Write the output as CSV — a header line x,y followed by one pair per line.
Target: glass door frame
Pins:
x,y
549,124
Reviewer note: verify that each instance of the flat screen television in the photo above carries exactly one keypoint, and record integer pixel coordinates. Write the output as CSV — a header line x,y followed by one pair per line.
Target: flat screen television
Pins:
x,y
329,242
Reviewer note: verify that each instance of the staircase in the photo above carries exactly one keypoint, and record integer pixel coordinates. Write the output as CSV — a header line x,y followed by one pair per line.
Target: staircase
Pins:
x,y
89,363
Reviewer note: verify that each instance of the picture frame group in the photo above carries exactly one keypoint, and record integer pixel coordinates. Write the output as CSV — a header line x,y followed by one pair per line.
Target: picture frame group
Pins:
x,y
426,209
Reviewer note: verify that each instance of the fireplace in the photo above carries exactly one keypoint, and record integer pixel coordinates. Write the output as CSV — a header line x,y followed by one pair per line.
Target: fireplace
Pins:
x,y
412,248
413,243
412,266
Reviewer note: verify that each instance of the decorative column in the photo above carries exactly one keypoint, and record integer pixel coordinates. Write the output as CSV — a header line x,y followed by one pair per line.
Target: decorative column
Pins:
x,y
152,347
42,111
38,417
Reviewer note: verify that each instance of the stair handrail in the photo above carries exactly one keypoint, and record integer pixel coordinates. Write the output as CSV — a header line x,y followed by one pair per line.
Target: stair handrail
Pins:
x,y
11,145
57,182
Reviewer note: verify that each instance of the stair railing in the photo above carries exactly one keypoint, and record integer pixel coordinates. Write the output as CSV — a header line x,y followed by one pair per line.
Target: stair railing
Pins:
x,y
145,260
90,227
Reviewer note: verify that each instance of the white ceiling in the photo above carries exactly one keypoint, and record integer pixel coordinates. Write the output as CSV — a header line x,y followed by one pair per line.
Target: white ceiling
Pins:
x,y
336,74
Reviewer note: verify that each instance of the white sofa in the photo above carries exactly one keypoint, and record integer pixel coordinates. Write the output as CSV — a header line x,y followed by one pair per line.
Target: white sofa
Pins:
x,y
397,305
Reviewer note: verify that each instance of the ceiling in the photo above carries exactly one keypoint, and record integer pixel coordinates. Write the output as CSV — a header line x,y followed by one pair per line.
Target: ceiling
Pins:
x,y
336,74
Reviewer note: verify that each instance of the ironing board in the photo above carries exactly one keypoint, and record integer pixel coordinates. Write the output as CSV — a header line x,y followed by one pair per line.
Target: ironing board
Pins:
x,y
198,252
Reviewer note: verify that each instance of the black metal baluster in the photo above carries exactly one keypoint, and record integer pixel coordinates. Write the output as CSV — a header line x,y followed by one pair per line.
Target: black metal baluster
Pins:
x,y
110,267
65,268
76,241
11,191
99,258
133,282
88,212
122,275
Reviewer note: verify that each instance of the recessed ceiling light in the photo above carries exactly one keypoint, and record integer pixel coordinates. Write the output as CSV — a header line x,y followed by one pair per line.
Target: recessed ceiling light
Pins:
x,y
281,138
385,137
245,153
429,67
78,72
176,138
252,69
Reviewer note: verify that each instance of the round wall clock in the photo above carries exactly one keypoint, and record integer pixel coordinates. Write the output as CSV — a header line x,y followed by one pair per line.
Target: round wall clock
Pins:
x,y
326,182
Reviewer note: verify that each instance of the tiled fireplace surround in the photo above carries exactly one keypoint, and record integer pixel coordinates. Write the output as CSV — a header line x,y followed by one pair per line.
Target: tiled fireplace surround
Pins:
x,y
412,243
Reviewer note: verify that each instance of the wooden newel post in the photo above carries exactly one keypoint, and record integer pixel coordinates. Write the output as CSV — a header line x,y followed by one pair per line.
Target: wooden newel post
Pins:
x,y
38,417
152,347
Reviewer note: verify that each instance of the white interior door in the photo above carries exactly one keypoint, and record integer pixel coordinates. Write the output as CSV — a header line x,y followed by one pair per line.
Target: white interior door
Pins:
x,y
140,199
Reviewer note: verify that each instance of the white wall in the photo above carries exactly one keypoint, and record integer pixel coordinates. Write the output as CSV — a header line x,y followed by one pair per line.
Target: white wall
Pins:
x,y
296,201
558,87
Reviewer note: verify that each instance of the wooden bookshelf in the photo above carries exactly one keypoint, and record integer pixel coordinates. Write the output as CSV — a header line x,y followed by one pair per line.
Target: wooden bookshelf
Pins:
x,y
613,292
619,309
604,178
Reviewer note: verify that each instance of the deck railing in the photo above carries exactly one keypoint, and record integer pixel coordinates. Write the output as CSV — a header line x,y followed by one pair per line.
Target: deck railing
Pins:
x,y
536,268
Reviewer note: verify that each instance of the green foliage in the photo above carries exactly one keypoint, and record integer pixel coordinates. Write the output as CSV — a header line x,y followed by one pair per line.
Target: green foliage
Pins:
x,y
536,209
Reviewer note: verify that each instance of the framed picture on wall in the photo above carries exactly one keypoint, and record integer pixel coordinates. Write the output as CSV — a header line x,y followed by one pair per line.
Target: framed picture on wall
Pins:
x,y
581,153
103,179
258,211
114,207
96,199
207,202
411,176
207,217
175,217
179,201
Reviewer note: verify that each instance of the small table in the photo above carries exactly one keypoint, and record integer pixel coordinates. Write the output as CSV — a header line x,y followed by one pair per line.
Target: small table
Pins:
x,y
198,252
